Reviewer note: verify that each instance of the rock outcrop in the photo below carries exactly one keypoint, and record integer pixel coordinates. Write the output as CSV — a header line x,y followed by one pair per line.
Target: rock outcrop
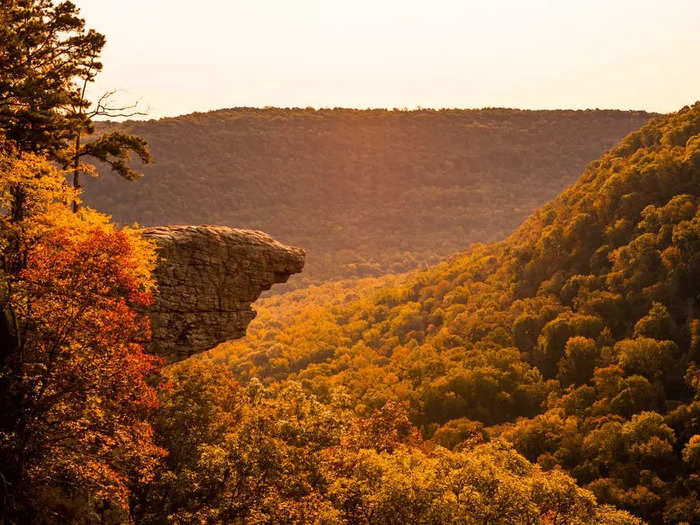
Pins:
x,y
207,277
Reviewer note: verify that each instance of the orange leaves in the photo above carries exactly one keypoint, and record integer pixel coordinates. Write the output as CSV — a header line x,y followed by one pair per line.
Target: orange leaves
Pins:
x,y
75,299
76,385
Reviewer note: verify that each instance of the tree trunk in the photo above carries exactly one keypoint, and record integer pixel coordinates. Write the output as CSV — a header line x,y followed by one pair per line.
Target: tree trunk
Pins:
x,y
76,171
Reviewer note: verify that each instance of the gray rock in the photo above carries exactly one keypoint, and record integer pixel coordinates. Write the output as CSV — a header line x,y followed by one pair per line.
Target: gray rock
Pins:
x,y
207,278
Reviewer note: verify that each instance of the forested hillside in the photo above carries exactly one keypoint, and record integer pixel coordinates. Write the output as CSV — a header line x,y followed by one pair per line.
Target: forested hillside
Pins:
x,y
549,378
576,339
363,192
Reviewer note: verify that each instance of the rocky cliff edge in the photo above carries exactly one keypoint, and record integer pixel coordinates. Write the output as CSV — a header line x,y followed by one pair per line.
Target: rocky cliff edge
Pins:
x,y
208,277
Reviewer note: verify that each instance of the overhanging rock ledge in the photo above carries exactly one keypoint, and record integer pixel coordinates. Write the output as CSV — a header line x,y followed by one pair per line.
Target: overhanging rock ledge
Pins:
x,y
208,277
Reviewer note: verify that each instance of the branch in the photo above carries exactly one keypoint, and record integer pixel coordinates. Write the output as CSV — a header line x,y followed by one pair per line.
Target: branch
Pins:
x,y
103,109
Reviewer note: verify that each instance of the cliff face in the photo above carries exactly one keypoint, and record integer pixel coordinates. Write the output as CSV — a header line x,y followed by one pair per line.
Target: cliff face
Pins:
x,y
207,277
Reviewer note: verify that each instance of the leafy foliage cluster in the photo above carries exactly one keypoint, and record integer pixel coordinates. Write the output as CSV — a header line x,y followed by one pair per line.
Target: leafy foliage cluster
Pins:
x,y
277,455
364,192
75,385
576,339
89,433
75,395
426,399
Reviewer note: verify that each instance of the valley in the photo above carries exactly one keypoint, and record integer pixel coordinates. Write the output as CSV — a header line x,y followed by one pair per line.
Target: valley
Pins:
x,y
363,192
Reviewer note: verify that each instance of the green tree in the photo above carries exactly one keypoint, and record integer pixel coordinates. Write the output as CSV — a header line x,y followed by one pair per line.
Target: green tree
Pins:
x,y
646,357
47,60
691,452
657,324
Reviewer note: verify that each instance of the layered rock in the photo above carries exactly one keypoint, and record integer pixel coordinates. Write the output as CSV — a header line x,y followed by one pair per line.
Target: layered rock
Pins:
x,y
207,277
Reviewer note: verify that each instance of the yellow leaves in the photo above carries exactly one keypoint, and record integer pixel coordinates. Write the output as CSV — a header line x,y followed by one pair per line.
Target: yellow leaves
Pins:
x,y
33,193
691,451
282,456
144,256
692,152
486,484
35,199
81,372
566,289
391,379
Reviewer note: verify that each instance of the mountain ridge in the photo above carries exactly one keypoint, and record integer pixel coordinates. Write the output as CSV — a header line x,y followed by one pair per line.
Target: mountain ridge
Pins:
x,y
363,192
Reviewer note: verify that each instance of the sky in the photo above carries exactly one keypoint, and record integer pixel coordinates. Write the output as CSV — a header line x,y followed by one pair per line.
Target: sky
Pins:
x,y
176,57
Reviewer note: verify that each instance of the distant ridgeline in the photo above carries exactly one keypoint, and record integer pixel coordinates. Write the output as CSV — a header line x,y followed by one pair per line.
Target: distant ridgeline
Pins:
x,y
577,338
364,192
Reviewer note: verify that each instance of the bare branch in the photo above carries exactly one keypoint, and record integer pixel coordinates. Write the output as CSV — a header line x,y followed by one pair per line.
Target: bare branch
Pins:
x,y
104,109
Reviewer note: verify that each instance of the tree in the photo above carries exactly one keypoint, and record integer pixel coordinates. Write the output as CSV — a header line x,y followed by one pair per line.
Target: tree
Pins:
x,y
647,357
579,362
74,381
47,59
657,324
691,452
277,455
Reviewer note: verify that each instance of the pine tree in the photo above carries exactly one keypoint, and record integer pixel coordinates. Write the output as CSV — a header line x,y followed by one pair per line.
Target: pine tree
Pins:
x,y
47,59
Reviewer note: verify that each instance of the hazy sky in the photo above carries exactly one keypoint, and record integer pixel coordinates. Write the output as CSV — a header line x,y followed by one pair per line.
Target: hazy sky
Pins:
x,y
199,55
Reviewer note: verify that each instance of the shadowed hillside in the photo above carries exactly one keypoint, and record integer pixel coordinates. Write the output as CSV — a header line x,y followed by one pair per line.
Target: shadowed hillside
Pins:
x,y
363,192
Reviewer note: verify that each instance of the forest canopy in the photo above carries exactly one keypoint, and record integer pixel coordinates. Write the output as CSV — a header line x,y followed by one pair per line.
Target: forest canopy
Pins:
x,y
575,340
91,432
364,192
550,378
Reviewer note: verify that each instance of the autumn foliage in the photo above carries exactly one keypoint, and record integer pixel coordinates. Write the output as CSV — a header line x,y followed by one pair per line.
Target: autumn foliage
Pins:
x,y
576,339
74,387
548,379
255,455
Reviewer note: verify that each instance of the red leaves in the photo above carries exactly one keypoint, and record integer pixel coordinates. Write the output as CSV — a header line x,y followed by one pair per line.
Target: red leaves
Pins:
x,y
82,371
